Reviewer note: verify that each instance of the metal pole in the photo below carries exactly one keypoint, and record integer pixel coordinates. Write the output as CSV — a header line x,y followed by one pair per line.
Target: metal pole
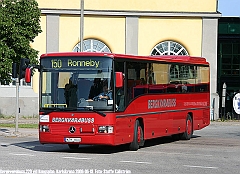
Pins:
x,y
81,25
224,98
17,105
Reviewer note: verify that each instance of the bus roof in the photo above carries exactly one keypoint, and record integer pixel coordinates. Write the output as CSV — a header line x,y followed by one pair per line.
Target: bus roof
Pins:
x,y
162,58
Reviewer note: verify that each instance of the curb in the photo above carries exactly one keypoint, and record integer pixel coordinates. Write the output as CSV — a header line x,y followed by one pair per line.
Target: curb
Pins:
x,y
225,123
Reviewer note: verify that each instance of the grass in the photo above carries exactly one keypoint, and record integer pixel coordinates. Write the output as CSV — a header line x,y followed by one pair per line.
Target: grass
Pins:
x,y
6,117
10,125
22,117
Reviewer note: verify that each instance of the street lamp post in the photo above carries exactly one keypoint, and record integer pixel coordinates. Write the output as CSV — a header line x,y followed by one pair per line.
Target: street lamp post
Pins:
x,y
17,106
81,25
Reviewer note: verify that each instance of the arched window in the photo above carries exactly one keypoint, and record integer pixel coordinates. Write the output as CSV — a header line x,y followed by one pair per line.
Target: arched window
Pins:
x,y
92,45
169,48
172,48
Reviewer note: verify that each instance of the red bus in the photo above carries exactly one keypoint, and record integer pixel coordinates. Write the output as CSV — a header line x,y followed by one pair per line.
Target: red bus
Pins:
x,y
113,99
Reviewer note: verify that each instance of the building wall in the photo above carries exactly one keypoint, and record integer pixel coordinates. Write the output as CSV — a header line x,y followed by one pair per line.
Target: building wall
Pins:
x,y
130,26
155,30
106,28
28,101
135,5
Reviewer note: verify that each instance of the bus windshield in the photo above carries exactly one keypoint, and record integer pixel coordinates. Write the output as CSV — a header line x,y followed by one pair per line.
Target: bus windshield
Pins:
x,y
76,83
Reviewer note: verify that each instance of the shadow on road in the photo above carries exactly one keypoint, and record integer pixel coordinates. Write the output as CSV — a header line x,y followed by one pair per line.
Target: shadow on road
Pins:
x,y
91,149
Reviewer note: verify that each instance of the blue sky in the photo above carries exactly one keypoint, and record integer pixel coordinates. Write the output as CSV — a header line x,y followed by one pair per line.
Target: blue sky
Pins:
x,y
229,7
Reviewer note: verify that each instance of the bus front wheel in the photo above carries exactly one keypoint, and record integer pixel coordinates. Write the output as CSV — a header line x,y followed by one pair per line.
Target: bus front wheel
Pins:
x,y
189,128
137,137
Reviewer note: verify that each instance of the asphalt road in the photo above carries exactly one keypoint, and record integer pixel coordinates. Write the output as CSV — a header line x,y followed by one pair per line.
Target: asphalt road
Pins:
x,y
215,149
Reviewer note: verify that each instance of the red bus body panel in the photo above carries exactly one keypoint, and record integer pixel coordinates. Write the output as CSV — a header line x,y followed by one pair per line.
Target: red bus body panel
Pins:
x,y
161,114
162,58
159,120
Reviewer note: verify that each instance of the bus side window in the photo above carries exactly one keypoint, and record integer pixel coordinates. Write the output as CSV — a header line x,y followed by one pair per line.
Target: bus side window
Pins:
x,y
158,78
140,90
120,99
160,88
137,75
185,87
202,83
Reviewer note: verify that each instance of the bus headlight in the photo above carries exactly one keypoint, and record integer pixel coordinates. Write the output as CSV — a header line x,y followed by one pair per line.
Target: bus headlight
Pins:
x,y
44,128
105,129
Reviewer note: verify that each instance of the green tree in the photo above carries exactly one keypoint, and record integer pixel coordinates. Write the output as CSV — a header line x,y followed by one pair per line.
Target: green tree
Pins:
x,y
19,25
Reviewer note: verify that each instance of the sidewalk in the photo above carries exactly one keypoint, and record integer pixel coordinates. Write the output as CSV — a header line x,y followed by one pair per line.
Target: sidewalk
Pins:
x,y
22,132
226,123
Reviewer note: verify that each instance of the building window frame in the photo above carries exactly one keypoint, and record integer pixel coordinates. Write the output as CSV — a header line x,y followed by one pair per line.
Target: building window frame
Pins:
x,y
92,45
169,48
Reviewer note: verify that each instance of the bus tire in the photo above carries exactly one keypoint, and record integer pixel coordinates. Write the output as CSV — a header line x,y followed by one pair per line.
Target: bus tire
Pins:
x,y
73,146
187,135
137,137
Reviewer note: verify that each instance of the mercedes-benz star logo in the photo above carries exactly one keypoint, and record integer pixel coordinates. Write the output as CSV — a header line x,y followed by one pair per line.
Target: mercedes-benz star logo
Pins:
x,y
72,129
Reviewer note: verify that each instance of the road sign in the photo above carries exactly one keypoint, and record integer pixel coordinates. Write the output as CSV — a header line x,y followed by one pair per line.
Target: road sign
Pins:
x,y
236,103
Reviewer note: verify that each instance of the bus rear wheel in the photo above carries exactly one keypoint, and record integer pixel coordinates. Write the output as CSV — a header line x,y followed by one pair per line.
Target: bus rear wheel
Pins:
x,y
187,135
73,146
137,137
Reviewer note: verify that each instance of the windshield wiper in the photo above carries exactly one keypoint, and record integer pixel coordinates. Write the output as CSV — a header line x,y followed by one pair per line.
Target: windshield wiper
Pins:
x,y
91,109
53,109
98,112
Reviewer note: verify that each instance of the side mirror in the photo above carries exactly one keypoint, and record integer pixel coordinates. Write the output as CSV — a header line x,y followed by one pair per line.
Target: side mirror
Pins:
x,y
28,74
119,79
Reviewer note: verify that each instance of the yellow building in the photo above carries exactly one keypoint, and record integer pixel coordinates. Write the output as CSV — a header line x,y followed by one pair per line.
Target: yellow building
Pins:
x,y
132,27
137,27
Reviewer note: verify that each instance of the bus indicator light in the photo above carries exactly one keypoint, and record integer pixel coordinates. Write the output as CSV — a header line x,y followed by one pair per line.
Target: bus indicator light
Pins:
x,y
44,128
105,129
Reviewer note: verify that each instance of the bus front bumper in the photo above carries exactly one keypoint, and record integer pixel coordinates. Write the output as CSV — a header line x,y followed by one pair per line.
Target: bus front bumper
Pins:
x,y
99,139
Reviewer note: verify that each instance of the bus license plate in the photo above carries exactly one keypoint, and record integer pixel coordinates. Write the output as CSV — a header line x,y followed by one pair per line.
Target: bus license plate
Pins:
x,y
72,140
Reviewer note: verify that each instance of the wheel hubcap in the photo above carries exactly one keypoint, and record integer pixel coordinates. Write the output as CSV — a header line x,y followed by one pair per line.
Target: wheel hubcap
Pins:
x,y
139,134
189,127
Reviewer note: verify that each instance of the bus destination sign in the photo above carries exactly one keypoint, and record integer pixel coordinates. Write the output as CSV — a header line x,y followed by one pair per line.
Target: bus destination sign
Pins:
x,y
58,63
75,62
